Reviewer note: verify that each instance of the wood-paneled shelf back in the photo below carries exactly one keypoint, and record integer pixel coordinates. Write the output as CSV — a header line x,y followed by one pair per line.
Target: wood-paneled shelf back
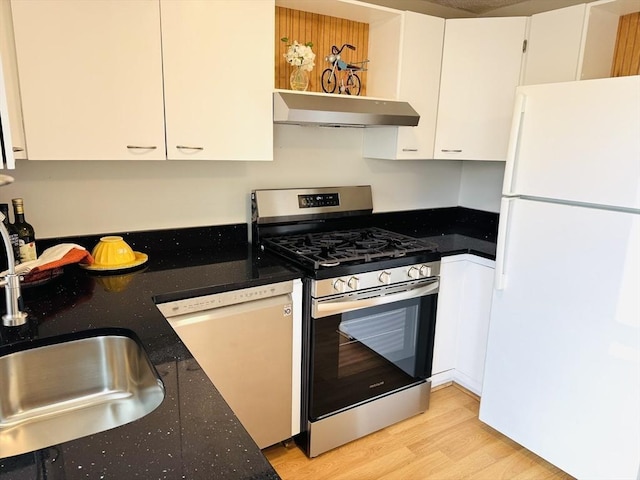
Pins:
x,y
626,59
323,31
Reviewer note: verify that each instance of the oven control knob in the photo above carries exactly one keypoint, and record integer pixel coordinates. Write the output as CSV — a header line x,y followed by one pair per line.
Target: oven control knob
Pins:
x,y
353,283
414,273
425,271
385,277
339,285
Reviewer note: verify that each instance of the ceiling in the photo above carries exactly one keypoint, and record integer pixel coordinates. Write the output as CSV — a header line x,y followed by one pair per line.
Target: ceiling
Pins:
x,y
477,8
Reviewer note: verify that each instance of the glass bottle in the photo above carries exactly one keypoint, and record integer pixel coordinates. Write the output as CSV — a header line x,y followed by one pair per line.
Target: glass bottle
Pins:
x,y
26,233
13,236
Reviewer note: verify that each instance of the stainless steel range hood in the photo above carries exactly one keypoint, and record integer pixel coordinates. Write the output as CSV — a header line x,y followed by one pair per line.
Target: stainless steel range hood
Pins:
x,y
341,111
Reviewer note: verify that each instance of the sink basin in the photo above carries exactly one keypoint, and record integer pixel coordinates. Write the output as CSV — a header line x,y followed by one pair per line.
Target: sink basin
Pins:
x,y
62,388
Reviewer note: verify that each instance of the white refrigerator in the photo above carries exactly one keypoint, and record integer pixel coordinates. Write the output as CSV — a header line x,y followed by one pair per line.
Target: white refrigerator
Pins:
x,y
562,372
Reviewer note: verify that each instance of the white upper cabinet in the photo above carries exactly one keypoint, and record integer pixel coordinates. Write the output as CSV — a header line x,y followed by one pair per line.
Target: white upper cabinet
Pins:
x,y
419,84
100,78
600,32
8,58
553,45
90,79
481,67
218,78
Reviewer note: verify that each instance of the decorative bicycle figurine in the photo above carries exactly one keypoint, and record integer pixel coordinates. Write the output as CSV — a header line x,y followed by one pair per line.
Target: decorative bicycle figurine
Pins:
x,y
341,74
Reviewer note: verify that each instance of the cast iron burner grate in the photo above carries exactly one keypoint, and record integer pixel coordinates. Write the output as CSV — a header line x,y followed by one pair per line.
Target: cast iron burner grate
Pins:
x,y
329,249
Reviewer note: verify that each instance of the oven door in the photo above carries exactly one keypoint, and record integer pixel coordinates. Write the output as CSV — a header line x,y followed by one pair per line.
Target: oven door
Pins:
x,y
369,344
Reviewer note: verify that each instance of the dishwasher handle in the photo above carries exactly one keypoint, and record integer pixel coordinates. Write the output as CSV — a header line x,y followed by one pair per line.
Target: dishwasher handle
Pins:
x,y
282,303
245,296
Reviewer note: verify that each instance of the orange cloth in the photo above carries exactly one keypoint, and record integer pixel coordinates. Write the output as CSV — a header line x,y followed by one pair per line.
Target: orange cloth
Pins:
x,y
74,255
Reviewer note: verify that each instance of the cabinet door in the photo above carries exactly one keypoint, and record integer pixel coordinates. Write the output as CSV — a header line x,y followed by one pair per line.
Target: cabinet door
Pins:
x,y
473,330
452,272
553,46
419,80
12,90
481,65
462,324
90,79
218,76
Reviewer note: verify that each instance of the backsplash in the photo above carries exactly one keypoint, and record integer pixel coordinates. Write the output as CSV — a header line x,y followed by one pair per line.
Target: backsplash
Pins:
x,y
91,198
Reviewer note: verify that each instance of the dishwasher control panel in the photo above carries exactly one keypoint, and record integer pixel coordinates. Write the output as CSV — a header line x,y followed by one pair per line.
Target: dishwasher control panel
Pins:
x,y
223,299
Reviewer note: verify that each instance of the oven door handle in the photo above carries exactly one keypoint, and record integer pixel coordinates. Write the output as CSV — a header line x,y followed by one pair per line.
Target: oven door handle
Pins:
x,y
334,306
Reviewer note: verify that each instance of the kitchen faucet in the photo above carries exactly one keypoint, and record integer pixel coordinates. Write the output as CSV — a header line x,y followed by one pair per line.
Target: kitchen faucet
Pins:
x,y
11,281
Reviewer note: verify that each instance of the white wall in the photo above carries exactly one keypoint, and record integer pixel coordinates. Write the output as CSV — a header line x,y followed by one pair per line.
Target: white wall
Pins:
x,y
75,198
481,185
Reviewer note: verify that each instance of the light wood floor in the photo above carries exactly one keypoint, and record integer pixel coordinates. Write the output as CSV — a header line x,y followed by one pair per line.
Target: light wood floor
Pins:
x,y
446,442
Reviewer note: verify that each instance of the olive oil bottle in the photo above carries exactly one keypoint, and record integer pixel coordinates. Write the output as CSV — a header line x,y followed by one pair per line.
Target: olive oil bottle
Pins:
x,y
26,233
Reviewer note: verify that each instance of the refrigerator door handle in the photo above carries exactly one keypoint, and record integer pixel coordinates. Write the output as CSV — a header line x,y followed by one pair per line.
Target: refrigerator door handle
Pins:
x,y
514,141
501,249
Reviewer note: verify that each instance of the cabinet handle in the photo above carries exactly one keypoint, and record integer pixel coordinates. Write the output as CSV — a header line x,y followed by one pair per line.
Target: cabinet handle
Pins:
x,y
185,147
140,147
451,151
409,149
18,149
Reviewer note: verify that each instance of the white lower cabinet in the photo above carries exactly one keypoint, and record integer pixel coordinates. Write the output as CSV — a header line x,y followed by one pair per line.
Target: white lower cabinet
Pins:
x,y
462,323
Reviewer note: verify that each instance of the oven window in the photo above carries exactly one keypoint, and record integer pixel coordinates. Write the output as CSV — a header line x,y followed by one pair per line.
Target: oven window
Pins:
x,y
361,354
389,335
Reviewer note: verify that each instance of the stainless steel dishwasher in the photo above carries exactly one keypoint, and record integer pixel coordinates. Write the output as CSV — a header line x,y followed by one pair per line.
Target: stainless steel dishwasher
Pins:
x,y
248,342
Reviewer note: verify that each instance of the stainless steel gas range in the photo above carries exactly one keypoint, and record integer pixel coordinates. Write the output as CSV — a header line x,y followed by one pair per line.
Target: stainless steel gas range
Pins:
x,y
369,303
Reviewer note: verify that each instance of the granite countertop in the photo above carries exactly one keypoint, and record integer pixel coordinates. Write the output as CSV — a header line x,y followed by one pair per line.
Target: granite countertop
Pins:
x,y
193,434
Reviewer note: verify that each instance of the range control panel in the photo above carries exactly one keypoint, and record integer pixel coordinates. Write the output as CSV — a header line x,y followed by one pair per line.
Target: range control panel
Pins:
x,y
319,200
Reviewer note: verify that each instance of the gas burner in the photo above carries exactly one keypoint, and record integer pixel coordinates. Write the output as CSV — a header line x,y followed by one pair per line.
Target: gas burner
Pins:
x,y
330,249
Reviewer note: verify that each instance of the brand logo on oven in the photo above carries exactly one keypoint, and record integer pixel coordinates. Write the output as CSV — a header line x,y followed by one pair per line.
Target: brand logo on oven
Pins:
x,y
377,384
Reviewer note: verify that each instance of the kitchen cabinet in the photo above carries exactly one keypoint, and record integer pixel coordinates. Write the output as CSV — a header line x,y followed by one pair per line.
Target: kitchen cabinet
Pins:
x,y
12,90
105,80
574,43
419,84
481,65
447,319
462,324
553,45
600,33
90,79
217,100
385,33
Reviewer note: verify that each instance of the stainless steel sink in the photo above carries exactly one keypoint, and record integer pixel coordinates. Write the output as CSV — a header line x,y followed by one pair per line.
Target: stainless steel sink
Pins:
x,y
59,389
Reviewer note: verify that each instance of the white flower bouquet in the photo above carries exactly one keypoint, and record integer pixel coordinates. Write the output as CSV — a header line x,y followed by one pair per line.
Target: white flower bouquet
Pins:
x,y
300,55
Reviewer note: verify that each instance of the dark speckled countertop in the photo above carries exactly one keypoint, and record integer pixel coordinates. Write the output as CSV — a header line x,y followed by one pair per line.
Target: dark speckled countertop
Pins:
x,y
193,434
